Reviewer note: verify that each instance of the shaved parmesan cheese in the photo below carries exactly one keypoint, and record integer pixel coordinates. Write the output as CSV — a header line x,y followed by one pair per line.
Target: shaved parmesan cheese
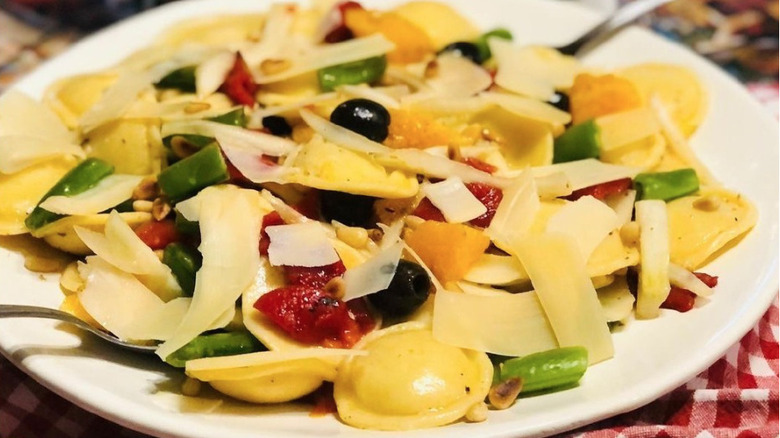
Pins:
x,y
19,152
654,257
210,74
532,71
373,275
623,205
457,76
115,298
616,300
229,220
401,74
627,127
234,137
342,136
109,192
122,248
499,322
253,167
587,220
276,30
516,212
529,108
589,172
677,142
116,100
685,279
370,93
257,116
30,133
21,115
558,274
496,270
331,54
304,244
553,185
455,201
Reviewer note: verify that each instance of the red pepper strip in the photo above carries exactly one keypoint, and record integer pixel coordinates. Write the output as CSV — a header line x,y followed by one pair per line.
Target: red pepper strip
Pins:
x,y
269,220
312,316
682,300
426,210
601,191
157,235
480,165
341,32
316,276
239,84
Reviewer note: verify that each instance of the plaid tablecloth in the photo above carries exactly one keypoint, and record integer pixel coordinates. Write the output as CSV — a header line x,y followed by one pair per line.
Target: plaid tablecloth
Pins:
x,y
736,397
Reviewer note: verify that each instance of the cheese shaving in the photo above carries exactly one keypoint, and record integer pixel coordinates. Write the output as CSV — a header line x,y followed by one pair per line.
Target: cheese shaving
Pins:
x,y
232,136
373,275
454,200
304,244
654,285
587,220
109,192
516,212
210,74
116,100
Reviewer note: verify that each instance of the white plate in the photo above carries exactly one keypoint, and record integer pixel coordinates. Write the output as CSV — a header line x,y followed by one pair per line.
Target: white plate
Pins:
x,y
738,142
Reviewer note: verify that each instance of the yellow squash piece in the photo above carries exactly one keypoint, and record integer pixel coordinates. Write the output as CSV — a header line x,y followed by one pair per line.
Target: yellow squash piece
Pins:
x,y
326,166
419,130
21,191
678,88
409,380
449,250
702,225
411,42
594,96
439,21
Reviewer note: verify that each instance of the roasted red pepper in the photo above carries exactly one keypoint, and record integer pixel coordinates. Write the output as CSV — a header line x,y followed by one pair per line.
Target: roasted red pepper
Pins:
x,y
157,235
269,220
601,191
316,277
239,84
683,300
340,31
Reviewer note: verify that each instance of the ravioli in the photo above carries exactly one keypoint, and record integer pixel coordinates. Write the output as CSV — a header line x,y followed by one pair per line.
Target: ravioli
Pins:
x,y
703,224
409,380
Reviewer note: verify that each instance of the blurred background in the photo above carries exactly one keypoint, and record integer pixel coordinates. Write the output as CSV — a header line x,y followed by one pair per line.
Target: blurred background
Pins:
x,y
740,35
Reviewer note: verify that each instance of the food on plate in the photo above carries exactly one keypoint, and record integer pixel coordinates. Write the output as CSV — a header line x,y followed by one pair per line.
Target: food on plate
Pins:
x,y
429,220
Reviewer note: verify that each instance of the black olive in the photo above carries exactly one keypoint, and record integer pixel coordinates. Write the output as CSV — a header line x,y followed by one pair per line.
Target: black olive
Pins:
x,y
363,116
350,210
467,50
560,101
277,125
407,291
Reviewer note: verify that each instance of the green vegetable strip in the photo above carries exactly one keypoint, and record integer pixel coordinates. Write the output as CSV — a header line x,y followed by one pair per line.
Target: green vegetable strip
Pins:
x,y
237,117
182,79
80,179
578,143
184,263
183,226
560,367
358,72
214,345
482,42
188,176
666,185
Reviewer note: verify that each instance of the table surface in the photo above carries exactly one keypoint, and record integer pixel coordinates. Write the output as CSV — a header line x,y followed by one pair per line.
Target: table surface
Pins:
x,y
736,397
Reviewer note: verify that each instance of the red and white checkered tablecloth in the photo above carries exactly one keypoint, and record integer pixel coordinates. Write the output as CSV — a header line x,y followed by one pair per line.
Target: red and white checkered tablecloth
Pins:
x,y
736,397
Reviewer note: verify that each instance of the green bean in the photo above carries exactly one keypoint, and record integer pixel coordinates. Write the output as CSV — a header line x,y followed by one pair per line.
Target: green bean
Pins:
x,y
666,185
482,41
188,176
237,117
364,71
214,345
80,179
186,227
579,142
180,79
184,263
561,367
